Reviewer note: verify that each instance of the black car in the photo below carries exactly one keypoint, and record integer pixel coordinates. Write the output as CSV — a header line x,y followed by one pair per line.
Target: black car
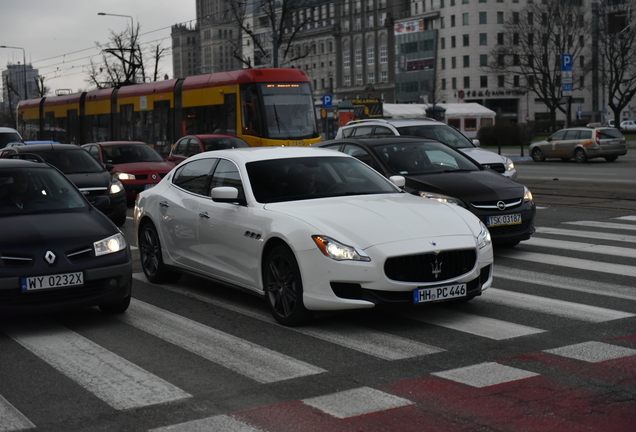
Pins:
x,y
91,177
437,171
57,251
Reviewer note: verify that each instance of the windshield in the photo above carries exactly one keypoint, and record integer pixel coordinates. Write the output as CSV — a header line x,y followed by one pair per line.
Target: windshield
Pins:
x,y
439,132
72,161
289,111
314,177
130,153
9,137
220,143
37,190
423,158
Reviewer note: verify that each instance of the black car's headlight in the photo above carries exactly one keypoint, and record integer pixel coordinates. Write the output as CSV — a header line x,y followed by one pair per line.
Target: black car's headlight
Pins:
x,y
483,239
442,198
338,251
527,195
112,244
115,186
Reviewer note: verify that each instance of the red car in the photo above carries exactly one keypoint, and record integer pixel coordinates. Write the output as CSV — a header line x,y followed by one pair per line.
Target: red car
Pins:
x,y
190,145
137,165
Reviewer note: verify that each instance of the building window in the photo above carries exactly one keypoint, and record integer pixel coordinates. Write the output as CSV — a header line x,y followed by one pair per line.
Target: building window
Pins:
x,y
443,83
466,39
345,59
454,84
442,22
466,82
483,81
483,39
515,17
452,20
483,60
358,79
347,80
500,81
358,57
500,17
371,78
466,61
443,63
515,81
453,44
483,17
442,42
500,38
384,54
370,56
515,38
384,76
453,62
515,60
465,19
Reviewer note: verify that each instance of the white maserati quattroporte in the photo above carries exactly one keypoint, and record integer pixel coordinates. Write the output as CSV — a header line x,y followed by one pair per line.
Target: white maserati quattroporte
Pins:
x,y
308,229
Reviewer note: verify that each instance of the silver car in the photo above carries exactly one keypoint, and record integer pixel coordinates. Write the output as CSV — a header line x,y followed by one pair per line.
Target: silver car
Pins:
x,y
581,144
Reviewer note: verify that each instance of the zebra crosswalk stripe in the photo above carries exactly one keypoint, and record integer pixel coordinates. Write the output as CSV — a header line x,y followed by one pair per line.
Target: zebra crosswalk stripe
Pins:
x,y
11,419
581,247
607,225
597,235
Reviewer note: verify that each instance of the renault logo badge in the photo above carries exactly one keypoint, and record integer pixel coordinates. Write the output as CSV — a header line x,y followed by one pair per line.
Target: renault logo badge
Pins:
x,y
50,257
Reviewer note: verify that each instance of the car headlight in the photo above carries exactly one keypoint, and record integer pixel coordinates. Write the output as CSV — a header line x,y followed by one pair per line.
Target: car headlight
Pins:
x,y
510,165
527,195
442,198
483,239
338,251
124,176
112,244
115,186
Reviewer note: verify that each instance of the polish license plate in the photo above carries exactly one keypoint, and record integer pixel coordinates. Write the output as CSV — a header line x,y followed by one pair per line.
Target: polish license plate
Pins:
x,y
423,295
52,281
512,219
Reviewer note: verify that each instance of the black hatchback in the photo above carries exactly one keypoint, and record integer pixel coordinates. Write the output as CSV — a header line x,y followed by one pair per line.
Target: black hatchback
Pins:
x,y
90,176
437,171
57,251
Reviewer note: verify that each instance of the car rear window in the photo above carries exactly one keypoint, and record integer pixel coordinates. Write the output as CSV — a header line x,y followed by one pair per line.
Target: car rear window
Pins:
x,y
585,135
609,133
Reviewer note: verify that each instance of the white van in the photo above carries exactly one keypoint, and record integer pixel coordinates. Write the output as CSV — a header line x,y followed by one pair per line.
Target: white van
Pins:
x,y
8,135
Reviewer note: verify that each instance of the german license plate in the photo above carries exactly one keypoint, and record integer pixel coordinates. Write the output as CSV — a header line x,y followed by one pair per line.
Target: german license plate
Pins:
x,y
512,219
423,295
52,281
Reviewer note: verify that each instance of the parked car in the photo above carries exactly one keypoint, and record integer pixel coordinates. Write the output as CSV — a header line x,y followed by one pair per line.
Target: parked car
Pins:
x,y
9,135
309,230
92,179
628,126
433,170
581,144
191,145
431,129
137,165
56,250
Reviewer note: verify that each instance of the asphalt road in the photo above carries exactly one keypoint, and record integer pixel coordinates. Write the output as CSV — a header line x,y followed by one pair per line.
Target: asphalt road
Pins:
x,y
551,346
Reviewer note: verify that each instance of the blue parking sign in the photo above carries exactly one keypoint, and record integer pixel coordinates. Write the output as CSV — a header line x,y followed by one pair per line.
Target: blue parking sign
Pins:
x,y
327,101
566,62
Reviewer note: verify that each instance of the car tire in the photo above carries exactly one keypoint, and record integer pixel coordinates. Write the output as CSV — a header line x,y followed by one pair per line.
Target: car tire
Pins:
x,y
580,156
284,287
150,256
537,155
116,307
611,158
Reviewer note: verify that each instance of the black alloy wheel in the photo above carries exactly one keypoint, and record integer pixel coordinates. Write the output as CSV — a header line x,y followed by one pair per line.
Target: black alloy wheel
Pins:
x,y
580,156
284,287
537,155
150,256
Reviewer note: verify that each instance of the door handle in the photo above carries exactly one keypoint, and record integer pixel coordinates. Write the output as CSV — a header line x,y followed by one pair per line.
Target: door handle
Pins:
x,y
164,204
204,215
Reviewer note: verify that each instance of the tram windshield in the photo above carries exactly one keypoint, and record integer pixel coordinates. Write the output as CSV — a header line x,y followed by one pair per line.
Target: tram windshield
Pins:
x,y
288,111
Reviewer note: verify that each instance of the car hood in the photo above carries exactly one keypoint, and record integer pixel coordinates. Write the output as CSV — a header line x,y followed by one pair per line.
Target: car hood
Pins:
x,y
369,220
86,180
469,186
142,167
482,156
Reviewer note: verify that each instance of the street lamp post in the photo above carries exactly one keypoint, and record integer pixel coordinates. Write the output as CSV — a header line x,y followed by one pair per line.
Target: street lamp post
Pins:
x,y
26,96
132,48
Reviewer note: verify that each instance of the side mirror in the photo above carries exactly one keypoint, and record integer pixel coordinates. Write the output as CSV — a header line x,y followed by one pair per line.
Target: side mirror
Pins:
x,y
226,194
476,142
397,180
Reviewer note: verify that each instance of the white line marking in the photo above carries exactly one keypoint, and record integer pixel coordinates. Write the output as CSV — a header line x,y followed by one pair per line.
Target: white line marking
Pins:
x,y
221,423
356,402
246,358
593,352
581,247
113,379
11,419
577,263
629,218
609,225
365,340
566,283
560,308
474,324
597,235
485,374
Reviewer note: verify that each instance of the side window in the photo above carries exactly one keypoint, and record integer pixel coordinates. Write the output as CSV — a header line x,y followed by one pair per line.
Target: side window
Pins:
x,y
360,154
195,176
193,148
558,136
363,130
227,174
346,133
585,135
571,134
94,151
180,147
381,130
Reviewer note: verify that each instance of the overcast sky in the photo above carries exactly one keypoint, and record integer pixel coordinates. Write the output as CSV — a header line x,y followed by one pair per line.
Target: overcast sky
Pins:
x,y
59,36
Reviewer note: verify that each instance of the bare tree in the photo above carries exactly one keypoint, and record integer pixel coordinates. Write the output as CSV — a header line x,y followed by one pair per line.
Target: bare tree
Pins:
x,y
528,52
617,38
272,27
123,61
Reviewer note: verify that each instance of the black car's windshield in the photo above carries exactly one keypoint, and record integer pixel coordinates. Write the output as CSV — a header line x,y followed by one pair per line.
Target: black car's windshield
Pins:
x,y
439,132
425,157
72,161
313,177
130,153
37,190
